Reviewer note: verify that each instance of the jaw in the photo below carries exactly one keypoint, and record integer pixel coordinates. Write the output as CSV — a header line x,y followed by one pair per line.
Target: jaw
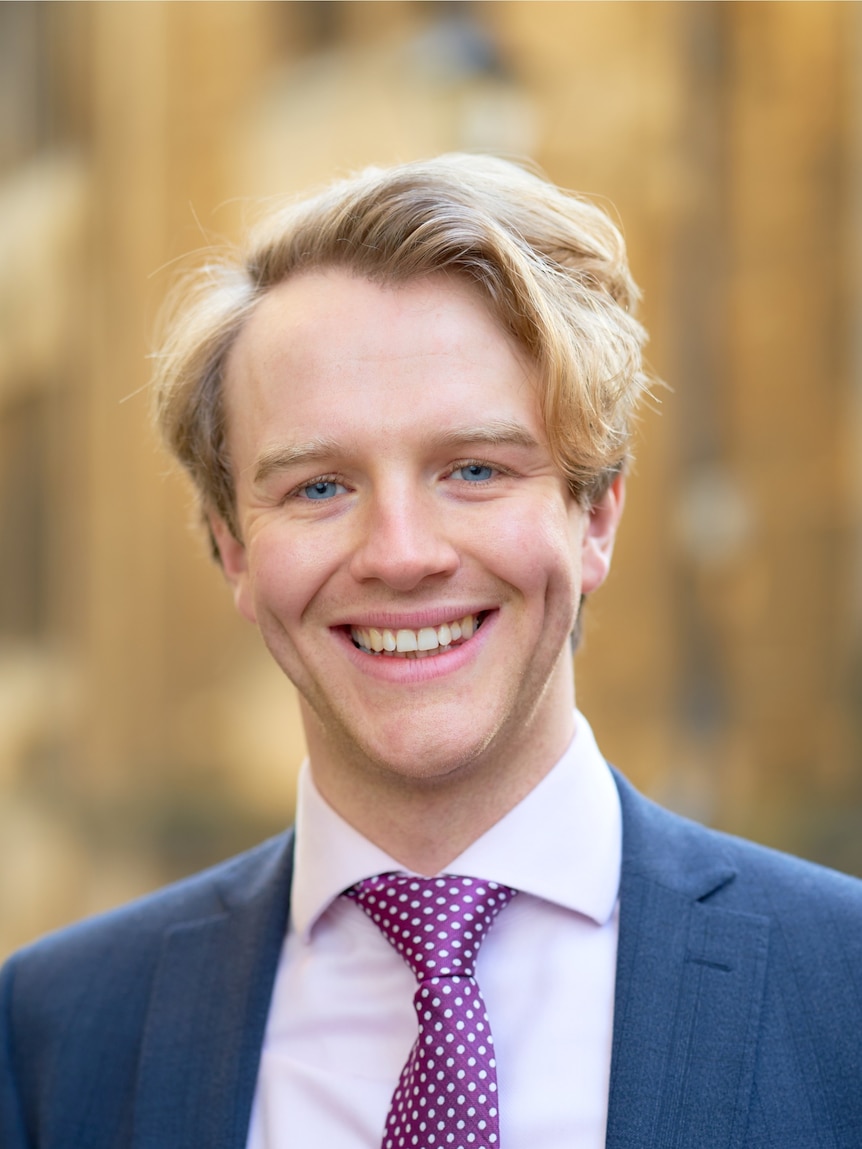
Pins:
x,y
429,721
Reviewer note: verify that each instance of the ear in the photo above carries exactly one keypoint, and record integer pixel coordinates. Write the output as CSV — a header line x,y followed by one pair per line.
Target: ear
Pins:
x,y
234,562
600,532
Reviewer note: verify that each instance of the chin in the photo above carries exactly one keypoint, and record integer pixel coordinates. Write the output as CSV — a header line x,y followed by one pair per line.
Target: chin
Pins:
x,y
423,758
414,756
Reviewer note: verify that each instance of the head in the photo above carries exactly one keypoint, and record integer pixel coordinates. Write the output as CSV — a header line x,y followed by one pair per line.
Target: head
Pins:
x,y
550,266
406,409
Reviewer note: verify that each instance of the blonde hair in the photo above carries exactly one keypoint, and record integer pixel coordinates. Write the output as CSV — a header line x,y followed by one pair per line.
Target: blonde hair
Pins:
x,y
551,266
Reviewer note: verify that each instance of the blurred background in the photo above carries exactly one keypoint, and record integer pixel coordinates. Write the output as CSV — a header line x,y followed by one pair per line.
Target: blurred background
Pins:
x,y
143,731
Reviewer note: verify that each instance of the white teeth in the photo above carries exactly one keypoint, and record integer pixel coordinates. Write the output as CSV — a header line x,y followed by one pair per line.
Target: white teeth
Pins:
x,y
427,639
414,643
406,640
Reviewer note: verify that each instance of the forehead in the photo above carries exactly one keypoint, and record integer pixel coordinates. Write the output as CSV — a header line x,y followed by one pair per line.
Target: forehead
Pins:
x,y
334,310
328,343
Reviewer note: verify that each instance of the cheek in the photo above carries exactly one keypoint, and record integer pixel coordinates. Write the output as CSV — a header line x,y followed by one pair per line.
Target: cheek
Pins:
x,y
285,574
535,552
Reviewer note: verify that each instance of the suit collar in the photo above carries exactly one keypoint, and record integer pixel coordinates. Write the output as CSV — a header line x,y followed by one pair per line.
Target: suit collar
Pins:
x,y
665,848
690,977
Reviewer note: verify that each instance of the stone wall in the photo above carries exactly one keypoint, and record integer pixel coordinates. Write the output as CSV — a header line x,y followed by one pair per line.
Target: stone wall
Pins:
x,y
142,730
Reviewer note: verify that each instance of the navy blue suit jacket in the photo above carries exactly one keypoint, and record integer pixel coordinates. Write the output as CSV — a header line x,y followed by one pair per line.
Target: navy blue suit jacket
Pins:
x,y
738,1017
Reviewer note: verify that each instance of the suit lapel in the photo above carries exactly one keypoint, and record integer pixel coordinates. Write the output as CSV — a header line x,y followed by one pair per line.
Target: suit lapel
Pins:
x,y
690,981
208,1010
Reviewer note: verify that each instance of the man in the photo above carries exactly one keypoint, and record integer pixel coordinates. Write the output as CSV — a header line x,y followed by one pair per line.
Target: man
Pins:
x,y
406,411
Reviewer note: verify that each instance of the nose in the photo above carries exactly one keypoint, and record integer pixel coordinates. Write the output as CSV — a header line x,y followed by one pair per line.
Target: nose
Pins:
x,y
401,541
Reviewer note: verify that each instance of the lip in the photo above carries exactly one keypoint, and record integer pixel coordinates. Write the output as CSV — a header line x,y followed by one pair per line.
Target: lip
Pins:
x,y
409,670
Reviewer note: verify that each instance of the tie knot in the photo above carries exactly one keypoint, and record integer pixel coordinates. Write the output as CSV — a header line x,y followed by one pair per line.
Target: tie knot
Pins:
x,y
436,924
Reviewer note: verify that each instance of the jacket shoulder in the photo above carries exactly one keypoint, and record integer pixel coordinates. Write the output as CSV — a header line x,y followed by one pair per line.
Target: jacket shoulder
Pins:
x,y
204,894
74,1005
739,981
129,938
808,901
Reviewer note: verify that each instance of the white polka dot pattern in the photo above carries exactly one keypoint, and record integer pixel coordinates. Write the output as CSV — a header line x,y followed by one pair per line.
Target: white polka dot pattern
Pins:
x,y
446,1097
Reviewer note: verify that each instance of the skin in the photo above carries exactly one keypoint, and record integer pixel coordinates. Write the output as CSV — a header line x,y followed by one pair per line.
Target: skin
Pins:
x,y
392,469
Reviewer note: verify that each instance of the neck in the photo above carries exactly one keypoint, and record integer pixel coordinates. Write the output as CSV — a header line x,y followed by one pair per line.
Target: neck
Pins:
x,y
425,823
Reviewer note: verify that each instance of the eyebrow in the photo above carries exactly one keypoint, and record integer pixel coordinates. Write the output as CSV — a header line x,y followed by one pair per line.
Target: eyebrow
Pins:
x,y
280,458
494,433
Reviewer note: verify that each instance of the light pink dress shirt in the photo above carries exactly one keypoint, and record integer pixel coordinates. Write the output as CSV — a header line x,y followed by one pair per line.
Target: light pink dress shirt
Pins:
x,y
341,1021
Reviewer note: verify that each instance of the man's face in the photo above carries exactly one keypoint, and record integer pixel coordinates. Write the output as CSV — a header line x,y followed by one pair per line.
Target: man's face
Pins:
x,y
395,489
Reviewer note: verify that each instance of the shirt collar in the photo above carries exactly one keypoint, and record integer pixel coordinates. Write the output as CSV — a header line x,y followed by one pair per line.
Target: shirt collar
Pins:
x,y
562,842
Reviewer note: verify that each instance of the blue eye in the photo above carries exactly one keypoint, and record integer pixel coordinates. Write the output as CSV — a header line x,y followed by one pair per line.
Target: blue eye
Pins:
x,y
322,489
475,472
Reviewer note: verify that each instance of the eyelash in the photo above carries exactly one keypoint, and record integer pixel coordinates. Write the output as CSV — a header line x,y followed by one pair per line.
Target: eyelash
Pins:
x,y
495,468
297,491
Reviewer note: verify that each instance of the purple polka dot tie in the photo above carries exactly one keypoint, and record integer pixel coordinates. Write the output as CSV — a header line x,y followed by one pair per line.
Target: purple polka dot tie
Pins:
x,y
446,1097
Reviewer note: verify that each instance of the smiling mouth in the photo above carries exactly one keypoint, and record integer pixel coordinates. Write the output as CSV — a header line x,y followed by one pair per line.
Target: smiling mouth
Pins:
x,y
426,642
